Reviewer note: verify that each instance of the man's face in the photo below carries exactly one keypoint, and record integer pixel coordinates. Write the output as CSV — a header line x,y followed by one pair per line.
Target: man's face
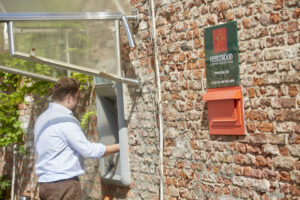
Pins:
x,y
74,100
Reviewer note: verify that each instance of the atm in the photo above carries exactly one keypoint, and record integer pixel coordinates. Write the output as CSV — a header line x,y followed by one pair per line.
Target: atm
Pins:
x,y
112,129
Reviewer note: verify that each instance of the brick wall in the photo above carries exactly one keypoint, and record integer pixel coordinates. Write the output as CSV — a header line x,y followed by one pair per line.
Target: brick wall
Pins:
x,y
263,164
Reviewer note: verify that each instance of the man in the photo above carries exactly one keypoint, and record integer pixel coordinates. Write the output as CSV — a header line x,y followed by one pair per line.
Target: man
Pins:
x,y
60,145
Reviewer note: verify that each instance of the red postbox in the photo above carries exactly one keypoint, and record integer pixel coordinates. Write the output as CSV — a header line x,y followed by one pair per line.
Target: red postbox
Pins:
x,y
225,111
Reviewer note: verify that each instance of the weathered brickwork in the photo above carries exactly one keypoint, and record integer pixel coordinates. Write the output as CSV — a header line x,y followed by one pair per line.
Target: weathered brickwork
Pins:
x,y
263,164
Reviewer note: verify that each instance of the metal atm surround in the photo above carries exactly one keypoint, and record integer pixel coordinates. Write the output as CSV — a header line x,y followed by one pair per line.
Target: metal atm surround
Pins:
x,y
112,129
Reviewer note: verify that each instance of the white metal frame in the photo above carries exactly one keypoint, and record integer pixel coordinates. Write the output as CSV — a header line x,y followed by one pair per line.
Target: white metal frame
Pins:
x,y
10,17
28,74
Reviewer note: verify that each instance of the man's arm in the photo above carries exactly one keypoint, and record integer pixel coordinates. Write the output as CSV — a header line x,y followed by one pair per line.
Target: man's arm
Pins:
x,y
110,149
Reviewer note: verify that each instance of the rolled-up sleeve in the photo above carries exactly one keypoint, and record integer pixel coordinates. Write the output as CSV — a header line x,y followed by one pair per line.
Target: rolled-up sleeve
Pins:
x,y
77,141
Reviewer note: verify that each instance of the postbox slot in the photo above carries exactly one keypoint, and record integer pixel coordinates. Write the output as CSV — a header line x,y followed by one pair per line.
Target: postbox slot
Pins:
x,y
226,112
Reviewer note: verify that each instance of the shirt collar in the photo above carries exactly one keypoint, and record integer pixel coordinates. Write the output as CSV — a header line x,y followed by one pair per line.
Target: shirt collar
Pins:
x,y
60,107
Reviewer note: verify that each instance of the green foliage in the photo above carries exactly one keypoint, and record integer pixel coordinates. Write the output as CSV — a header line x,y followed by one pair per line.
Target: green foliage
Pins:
x,y
4,186
13,89
85,80
86,84
85,118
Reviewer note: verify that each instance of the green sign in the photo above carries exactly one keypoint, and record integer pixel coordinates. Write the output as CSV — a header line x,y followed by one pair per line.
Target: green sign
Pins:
x,y
222,55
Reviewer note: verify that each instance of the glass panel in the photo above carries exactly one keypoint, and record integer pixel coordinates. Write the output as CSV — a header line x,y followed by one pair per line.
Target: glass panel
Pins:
x,y
122,6
90,44
3,38
15,63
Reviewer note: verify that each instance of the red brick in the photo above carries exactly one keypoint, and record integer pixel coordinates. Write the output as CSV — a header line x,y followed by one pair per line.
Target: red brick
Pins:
x,y
193,25
258,81
257,115
292,39
269,174
285,176
229,15
251,127
238,170
288,102
241,147
297,128
211,20
244,193
265,127
253,150
256,173
295,191
251,92
291,115
247,171
293,90
260,161
168,181
203,187
284,151
275,18
246,23
204,10
292,26
239,159
278,4
223,6
296,13
226,190
235,192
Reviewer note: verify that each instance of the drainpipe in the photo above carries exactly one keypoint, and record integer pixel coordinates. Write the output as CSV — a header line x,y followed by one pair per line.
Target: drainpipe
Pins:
x,y
158,84
12,192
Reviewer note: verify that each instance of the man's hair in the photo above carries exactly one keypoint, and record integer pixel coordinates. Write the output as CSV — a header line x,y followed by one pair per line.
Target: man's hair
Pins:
x,y
63,87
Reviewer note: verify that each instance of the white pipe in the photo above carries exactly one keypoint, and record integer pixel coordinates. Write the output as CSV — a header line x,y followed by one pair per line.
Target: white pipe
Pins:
x,y
161,134
5,34
12,192
68,52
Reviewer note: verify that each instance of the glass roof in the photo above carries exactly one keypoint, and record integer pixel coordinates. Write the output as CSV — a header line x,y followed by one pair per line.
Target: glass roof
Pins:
x,y
77,35
24,67
12,6
91,44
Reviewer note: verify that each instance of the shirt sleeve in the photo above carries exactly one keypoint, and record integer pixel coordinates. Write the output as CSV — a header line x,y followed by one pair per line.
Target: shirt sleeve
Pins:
x,y
76,139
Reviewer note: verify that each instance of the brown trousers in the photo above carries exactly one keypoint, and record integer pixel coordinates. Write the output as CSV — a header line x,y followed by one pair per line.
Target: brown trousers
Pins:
x,y
68,189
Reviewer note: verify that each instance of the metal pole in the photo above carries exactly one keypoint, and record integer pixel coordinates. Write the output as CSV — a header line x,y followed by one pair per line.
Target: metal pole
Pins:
x,y
128,32
6,17
11,38
67,53
63,65
118,47
28,74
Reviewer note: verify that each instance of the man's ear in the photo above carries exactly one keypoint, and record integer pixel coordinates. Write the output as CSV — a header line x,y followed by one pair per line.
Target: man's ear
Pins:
x,y
67,98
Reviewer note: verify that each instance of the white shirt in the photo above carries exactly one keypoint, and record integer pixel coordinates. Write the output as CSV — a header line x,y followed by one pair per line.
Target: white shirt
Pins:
x,y
60,145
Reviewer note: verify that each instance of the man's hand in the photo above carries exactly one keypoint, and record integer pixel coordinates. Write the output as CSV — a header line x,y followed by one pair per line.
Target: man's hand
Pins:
x,y
110,149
